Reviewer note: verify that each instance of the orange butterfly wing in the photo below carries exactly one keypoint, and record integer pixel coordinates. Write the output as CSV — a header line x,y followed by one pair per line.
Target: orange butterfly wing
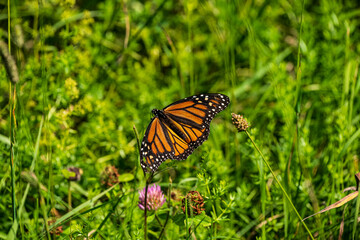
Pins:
x,y
177,130
155,147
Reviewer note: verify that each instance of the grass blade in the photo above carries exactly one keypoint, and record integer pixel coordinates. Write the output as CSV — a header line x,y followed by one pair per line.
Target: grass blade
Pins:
x,y
12,233
82,206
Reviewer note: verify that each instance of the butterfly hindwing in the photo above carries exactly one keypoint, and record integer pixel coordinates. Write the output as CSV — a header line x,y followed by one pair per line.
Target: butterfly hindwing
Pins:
x,y
156,146
183,126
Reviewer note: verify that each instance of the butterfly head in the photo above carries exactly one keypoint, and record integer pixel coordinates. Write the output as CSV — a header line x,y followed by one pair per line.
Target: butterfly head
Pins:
x,y
158,113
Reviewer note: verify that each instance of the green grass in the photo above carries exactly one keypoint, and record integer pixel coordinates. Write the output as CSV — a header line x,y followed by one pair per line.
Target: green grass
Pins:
x,y
91,71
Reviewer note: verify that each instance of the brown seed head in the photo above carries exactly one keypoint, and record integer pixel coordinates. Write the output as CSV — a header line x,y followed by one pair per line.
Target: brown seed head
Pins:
x,y
239,122
9,62
195,203
78,172
57,230
176,195
110,176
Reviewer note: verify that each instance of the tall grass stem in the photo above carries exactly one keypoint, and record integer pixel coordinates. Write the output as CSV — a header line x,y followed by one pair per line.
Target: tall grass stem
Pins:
x,y
281,187
107,216
170,208
148,181
356,216
12,97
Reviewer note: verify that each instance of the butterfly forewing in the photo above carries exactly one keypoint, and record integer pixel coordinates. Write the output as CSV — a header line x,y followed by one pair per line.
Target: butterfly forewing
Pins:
x,y
199,110
185,127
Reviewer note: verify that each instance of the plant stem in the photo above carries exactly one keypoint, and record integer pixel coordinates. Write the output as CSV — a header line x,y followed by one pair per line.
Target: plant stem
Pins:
x,y
170,208
356,215
69,195
281,187
186,216
163,228
213,208
12,126
44,213
158,220
135,180
145,212
224,211
107,216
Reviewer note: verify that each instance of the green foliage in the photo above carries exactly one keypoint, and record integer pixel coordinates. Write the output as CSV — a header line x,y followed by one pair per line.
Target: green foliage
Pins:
x,y
89,71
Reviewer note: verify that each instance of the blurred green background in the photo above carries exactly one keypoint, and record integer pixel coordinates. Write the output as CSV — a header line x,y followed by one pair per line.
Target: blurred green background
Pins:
x,y
91,71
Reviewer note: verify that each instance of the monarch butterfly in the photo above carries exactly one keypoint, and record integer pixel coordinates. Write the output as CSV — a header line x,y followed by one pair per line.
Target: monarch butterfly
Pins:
x,y
177,130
